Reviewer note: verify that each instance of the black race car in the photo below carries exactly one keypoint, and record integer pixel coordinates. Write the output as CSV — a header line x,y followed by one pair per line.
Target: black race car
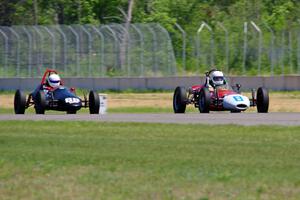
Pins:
x,y
61,99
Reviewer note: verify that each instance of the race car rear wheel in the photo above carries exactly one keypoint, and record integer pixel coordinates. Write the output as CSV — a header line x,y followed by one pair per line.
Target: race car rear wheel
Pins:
x,y
179,100
19,102
40,104
204,100
262,100
94,102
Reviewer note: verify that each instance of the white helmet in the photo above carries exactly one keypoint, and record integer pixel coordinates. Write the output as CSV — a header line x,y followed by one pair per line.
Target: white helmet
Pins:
x,y
217,77
54,80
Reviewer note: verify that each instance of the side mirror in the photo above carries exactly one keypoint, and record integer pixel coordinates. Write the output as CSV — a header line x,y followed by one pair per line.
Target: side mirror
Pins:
x,y
236,87
73,90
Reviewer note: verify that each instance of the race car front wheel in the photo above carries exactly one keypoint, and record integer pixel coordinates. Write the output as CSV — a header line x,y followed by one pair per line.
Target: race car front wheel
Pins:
x,y
19,102
179,100
262,100
40,104
204,100
94,102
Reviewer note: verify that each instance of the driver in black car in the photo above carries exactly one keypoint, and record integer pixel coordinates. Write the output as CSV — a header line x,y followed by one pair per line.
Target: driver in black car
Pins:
x,y
53,82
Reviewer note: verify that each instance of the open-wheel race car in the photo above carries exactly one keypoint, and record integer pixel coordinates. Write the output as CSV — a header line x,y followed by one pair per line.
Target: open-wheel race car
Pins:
x,y
51,94
217,95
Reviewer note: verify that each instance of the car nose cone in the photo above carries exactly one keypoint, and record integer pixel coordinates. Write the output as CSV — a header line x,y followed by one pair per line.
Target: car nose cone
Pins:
x,y
73,102
236,102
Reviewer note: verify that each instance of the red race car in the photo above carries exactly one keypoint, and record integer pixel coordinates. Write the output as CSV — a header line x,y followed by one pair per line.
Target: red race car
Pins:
x,y
217,95
51,94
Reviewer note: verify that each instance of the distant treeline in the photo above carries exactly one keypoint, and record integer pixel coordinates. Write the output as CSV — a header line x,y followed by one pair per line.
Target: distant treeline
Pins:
x,y
279,21
278,14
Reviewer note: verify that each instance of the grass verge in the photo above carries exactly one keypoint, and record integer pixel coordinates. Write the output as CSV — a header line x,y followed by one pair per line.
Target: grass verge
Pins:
x,y
90,160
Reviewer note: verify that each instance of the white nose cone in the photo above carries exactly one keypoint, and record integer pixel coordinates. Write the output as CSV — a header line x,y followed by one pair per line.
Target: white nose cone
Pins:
x,y
236,102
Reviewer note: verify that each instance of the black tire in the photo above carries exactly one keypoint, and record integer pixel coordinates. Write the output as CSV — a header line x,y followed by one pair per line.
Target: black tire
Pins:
x,y
40,103
204,100
179,100
262,100
19,102
94,102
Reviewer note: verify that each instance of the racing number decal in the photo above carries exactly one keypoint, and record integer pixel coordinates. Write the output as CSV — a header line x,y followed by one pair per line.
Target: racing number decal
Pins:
x,y
72,100
238,98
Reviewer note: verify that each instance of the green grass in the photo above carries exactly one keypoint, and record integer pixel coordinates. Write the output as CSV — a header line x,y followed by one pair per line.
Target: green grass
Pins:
x,y
92,160
6,111
140,110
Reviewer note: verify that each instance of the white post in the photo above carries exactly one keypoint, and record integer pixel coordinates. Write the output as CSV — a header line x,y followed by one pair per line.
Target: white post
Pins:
x,y
103,103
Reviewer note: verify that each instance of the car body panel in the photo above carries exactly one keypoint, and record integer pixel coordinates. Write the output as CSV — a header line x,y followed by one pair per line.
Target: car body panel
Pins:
x,y
65,100
236,102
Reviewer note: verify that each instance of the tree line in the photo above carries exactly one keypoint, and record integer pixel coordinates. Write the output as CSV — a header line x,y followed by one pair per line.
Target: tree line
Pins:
x,y
188,13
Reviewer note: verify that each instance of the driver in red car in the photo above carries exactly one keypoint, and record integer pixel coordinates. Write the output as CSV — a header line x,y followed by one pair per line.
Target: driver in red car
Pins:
x,y
214,78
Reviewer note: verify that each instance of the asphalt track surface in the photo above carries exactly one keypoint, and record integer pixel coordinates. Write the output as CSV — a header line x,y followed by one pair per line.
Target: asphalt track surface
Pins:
x,y
286,119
